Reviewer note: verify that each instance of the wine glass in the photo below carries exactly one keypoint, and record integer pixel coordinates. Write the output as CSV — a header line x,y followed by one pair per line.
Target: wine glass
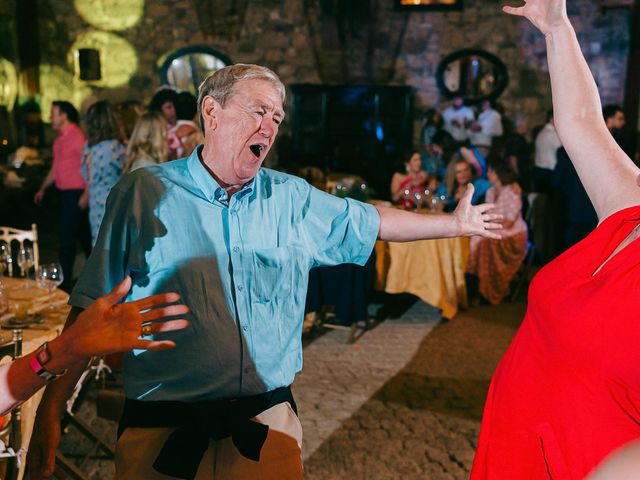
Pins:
x,y
5,258
25,262
426,198
50,277
418,201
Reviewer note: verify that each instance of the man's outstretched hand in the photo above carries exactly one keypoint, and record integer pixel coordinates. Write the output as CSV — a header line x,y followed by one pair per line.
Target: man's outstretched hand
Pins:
x,y
477,219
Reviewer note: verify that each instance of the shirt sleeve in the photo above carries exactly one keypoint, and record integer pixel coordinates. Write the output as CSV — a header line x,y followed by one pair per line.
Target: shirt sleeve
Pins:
x,y
107,264
337,230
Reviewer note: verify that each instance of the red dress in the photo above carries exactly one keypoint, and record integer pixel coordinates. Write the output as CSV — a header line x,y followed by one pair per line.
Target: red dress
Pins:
x,y
567,391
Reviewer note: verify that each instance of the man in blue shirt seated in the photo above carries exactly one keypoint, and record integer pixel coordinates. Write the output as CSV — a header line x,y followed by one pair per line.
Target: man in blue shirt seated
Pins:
x,y
236,241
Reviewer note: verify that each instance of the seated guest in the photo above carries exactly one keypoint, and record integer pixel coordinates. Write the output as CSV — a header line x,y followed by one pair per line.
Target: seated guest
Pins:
x,y
405,186
186,134
495,262
148,143
459,175
476,159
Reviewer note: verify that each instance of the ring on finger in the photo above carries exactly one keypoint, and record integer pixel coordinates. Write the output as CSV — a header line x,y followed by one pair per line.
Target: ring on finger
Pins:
x,y
146,330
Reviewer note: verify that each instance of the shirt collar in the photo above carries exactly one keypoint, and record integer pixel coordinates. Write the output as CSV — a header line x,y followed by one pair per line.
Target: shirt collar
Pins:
x,y
209,186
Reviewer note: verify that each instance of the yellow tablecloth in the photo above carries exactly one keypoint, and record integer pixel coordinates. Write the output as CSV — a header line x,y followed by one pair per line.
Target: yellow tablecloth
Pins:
x,y
35,335
433,270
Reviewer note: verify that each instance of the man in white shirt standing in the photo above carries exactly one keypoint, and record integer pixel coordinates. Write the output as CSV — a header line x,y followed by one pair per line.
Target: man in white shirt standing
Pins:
x,y
485,128
547,144
456,118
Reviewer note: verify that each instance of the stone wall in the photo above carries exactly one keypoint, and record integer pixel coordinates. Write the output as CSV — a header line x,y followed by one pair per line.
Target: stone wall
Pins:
x,y
302,41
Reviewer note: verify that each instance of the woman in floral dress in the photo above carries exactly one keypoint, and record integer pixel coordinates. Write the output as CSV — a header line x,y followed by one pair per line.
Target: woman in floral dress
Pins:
x,y
102,159
495,262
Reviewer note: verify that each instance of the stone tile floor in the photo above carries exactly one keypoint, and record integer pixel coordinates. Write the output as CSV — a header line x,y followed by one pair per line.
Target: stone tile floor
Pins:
x,y
403,402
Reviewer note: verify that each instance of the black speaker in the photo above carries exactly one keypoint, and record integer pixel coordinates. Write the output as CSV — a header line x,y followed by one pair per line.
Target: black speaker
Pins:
x,y
89,63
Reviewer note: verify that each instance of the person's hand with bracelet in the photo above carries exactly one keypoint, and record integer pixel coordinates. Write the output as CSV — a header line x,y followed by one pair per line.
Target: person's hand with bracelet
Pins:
x,y
105,327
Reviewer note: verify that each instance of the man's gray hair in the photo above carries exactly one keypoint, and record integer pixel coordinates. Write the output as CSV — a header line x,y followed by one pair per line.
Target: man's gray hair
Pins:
x,y
221,83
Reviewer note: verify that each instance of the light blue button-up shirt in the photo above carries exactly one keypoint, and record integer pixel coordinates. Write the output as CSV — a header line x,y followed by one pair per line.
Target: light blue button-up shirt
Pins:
x,y
240,264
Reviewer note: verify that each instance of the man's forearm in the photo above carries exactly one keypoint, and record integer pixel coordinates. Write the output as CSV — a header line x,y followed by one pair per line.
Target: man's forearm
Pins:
x,y
401,226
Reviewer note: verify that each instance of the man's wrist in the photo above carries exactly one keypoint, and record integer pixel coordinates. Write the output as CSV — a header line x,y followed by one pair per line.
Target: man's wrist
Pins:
x,y
458,226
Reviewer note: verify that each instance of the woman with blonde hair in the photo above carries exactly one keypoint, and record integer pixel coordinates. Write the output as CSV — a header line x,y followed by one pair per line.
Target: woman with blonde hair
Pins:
x,y
459,175
148,143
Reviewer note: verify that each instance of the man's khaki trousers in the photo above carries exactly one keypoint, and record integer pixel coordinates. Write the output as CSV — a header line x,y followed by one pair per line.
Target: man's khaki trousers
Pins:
x,y
280,458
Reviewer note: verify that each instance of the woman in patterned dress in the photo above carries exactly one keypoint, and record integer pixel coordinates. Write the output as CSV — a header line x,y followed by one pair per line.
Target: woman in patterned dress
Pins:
x,y
102,159
495,262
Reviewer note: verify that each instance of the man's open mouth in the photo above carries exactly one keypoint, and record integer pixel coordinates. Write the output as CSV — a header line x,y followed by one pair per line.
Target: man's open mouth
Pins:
x,y
257,149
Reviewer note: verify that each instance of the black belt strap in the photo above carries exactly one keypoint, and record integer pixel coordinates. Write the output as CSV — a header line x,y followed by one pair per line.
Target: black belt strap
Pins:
x,y
197,422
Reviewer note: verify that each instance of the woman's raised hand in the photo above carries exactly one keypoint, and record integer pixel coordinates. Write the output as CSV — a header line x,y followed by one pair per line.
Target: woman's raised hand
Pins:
x,y
544,14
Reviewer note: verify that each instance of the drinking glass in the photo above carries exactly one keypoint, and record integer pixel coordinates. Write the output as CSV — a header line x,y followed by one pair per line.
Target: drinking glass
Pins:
x,y
418,201
426,198
50,277
25,262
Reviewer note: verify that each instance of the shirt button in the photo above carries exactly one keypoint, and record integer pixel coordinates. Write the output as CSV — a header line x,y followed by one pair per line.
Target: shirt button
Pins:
x,y
236,249
233,212
245,327
240,288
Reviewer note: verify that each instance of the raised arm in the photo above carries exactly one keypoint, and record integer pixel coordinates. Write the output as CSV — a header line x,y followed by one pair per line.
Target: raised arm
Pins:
x,y
607,173
467,220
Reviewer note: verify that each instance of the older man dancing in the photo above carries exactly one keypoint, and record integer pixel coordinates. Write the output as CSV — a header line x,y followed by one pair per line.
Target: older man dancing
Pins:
x,y
236,241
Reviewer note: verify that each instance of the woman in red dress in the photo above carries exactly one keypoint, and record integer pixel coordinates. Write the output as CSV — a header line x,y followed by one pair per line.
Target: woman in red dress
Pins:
x,y
404,187
567,391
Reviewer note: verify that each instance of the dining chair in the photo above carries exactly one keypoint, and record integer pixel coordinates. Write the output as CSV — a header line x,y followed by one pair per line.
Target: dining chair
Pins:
x,y
10,235
11,433
96,371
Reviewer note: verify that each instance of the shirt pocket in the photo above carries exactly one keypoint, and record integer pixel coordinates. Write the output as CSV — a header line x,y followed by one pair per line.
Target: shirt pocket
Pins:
x,y
274,271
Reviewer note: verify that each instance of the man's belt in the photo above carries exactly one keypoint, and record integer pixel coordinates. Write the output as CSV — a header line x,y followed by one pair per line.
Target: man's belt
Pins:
x,y
197,422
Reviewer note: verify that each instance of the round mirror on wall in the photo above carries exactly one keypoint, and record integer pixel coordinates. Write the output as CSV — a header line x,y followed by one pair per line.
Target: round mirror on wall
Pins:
x,y
186,68
473,74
